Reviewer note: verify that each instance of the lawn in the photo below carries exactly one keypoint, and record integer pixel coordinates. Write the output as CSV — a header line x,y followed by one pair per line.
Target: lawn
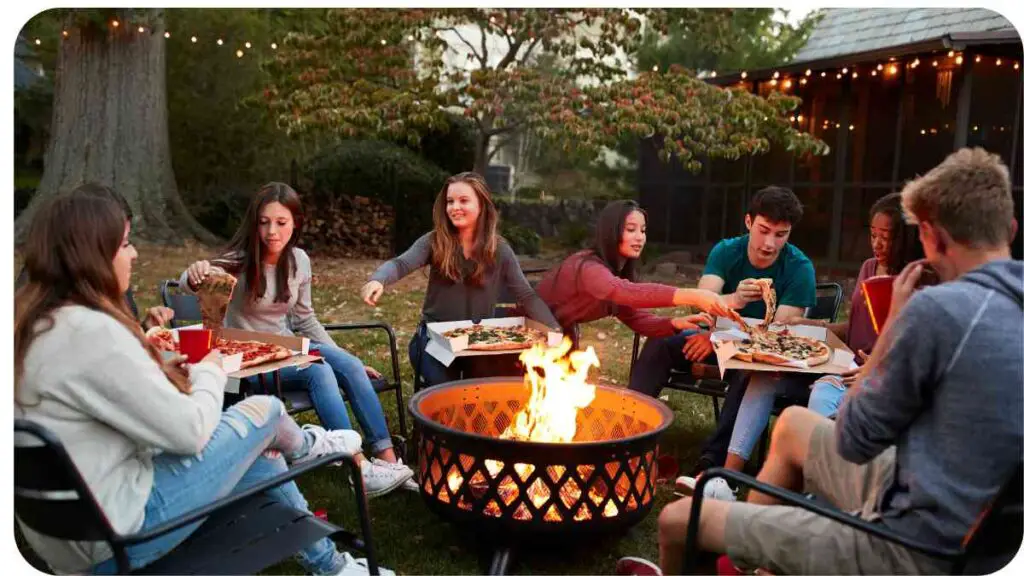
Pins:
x,y
409,538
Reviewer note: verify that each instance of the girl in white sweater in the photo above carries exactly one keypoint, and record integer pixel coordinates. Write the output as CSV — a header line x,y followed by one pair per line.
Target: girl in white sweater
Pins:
x,y
149,438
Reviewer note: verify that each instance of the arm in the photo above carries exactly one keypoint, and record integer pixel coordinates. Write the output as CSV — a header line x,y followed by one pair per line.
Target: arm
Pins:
x,y
599,283
892,392
416,257
520,289
645,323
122,386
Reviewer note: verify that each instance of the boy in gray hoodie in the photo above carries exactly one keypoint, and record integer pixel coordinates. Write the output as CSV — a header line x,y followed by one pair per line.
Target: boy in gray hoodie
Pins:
x,y
932,428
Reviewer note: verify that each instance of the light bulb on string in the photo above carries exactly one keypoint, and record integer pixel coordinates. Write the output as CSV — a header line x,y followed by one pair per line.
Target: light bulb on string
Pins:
x,y
775,76
273,45
787,84
839,76
950,54
854,75
194,39
822,73
38,42
655,68
874,72
141,29
977,59
220,42
845,70
743,74
935,63
959,60
239,53
879,68
714,74
999,61
167,34
115,23
803,81
774,82
800,118
1016,65
65,33
248,45
410,38
807,72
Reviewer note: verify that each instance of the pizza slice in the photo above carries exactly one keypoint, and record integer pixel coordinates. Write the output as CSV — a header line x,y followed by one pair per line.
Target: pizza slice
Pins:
x,y
768,295
254,353
162,339
214,294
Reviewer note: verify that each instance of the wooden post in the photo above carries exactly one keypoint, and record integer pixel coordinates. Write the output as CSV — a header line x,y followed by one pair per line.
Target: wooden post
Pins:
x,y
1015,145
963,102
842,149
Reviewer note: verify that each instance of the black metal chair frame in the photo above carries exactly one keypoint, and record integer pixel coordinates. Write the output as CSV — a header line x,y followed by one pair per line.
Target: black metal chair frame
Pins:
x,y
44,476
1006,503
299,401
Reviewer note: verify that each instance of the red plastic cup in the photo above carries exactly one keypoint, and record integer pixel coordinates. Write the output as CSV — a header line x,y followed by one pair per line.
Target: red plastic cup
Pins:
x,y
878,297
195,344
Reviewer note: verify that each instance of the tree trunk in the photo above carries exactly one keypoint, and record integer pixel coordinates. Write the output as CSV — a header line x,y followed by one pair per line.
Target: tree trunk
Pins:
x,y
110,127
481,158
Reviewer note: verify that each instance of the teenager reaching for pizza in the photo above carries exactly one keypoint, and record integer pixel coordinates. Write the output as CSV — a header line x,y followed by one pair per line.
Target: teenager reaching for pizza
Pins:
x,y
891,244
470,264
600,282
148,438
733,268
273,295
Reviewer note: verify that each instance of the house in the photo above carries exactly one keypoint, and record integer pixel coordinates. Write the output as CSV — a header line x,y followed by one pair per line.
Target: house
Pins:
x,y
891,91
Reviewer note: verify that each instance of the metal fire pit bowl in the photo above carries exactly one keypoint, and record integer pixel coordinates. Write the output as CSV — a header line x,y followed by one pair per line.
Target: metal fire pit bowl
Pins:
x,y
602,482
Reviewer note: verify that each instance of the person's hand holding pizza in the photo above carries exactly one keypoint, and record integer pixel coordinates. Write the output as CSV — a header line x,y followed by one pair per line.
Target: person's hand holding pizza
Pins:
x,y
692,322
850,376
371,292
904,285
698,347
157,316
197,272
715,304
747,291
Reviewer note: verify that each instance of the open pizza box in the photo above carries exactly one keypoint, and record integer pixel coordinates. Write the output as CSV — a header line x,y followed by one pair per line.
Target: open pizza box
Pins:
x,y
727,333
446,350
232,364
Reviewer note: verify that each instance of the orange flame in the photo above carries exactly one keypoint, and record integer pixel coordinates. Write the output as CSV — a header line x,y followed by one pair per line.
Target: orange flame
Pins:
x,y
556,395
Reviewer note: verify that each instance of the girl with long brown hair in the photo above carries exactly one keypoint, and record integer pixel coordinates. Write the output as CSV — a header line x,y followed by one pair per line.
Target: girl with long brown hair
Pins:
x,y
274,295
148,438
469,265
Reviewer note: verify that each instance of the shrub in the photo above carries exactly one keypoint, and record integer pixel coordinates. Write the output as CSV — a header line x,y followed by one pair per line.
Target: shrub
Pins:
x,y
451,149
528,192
390,173
523,240
575,235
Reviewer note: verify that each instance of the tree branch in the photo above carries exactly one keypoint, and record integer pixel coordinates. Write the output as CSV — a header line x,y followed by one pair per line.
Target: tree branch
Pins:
x,y
483,59
483,44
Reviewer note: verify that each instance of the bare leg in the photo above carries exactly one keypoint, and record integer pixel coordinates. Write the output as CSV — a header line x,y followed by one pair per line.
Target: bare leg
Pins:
x,y
784,466
672,526
388,455
735,462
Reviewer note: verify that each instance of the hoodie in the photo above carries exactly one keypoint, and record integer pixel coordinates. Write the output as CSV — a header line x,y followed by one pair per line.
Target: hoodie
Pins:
x,y
947,394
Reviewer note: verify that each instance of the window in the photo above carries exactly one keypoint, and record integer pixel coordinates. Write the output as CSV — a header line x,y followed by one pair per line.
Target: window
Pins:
x,y
871,146
995,85
929,115
812,233
820,109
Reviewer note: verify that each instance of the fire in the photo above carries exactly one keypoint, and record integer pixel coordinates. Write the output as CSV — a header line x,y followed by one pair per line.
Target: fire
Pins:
x,y
556,395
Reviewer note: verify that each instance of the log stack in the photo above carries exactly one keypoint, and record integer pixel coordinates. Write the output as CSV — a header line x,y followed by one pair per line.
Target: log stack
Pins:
x,y
349,227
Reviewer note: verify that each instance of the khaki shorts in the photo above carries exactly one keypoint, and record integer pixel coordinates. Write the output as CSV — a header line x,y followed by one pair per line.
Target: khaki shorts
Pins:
x,y
789,540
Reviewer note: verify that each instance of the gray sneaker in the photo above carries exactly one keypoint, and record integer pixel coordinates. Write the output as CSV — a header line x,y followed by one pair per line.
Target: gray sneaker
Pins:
x,y
379,480
411,485
325,442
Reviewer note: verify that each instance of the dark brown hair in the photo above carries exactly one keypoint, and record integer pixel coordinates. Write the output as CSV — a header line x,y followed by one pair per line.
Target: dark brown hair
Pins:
x,y
445,248
244,254
611,223
903,244
776,204
69,255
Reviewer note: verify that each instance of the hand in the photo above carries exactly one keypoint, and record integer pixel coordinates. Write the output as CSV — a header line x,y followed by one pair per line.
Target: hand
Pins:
x,y
714,304
904,285
693,322
800,321
198,272
215,358
371,292
748,290
850,376
372,372
157,316
698,347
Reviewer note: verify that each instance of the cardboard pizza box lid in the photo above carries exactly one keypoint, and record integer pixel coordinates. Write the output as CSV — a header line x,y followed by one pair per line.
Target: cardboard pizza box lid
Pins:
x,y
233,363
446,350
726,332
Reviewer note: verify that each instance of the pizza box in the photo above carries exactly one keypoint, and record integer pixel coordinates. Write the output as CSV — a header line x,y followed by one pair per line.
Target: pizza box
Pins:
x,y
726,332
232,364
446,350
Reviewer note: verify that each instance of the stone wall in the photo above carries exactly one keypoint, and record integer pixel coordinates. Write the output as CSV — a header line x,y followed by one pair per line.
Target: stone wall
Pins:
x,y
551,218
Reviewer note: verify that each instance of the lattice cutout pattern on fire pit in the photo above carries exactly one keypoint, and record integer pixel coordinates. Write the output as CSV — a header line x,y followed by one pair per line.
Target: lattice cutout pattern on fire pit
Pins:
x,y
607,476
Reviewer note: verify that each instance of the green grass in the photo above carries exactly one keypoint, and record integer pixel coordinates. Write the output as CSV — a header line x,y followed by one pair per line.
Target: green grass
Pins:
x,y
409,538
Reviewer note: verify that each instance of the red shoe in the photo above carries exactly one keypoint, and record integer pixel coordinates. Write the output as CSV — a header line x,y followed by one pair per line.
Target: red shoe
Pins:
x,y
632,566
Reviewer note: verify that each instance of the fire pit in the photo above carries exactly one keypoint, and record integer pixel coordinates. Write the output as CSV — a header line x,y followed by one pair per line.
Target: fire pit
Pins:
x,y
479,463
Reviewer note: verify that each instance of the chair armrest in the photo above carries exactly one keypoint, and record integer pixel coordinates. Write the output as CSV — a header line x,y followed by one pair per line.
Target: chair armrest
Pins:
x,y
218,505
392,341
800,501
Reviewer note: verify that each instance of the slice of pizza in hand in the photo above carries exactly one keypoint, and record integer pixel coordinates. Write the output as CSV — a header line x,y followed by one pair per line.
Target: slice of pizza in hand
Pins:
x,y
162,339
214,294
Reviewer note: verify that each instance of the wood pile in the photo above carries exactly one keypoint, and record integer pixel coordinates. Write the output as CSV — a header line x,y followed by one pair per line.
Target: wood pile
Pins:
x,y
349,227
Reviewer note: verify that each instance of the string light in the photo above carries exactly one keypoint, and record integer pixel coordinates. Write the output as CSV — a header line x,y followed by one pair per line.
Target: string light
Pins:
x,y
410,38
845,70
839,76
935,63
65,33
167,34
803,81
800,118
807,72
194,39
38,41
823,74
1016,65
975,128
383,42
713,73
115,23
874,72
248,45
774,82
922,132
879,68
743,74
792,118
220,42
787,84
893,69
999,61
655,68
854,75
141,29
775,76
273,45
950,54
915,63
959,60
977,58
851,127
239,53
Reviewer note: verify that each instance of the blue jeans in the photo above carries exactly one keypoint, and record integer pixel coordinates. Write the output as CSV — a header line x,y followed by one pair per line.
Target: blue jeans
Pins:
x,y
756,407
826,395
322,381
235,458
433,372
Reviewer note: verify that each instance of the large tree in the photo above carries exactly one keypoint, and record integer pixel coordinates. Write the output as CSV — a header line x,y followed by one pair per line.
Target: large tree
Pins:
x,y
393,73
109,121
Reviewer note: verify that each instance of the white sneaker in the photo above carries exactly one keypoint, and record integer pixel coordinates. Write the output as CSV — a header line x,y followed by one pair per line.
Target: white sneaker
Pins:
x,y
411,485
326,442
716,488
378,480
357,566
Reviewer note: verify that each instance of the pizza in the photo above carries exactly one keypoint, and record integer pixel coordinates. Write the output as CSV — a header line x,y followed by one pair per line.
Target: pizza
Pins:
x,y
214,294
253,352
781,348
768,295
498,337
162,339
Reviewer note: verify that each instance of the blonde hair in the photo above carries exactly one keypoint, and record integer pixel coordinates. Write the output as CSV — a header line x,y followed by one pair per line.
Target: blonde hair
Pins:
x,y
968,195
444,245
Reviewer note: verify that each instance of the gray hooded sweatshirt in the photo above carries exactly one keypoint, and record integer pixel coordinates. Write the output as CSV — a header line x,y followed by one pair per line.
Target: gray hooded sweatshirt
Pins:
x,y
948,395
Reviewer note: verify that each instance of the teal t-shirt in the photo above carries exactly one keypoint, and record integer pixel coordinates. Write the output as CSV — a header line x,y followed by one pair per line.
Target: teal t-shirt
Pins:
x,y
792,274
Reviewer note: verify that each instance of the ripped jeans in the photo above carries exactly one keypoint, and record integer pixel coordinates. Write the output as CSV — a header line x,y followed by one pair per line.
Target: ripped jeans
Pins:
x,y
245,448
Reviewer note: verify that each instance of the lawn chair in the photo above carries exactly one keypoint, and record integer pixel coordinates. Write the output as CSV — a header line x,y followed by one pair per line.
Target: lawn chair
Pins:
x,y
988,546
243,533
703,379
186,309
